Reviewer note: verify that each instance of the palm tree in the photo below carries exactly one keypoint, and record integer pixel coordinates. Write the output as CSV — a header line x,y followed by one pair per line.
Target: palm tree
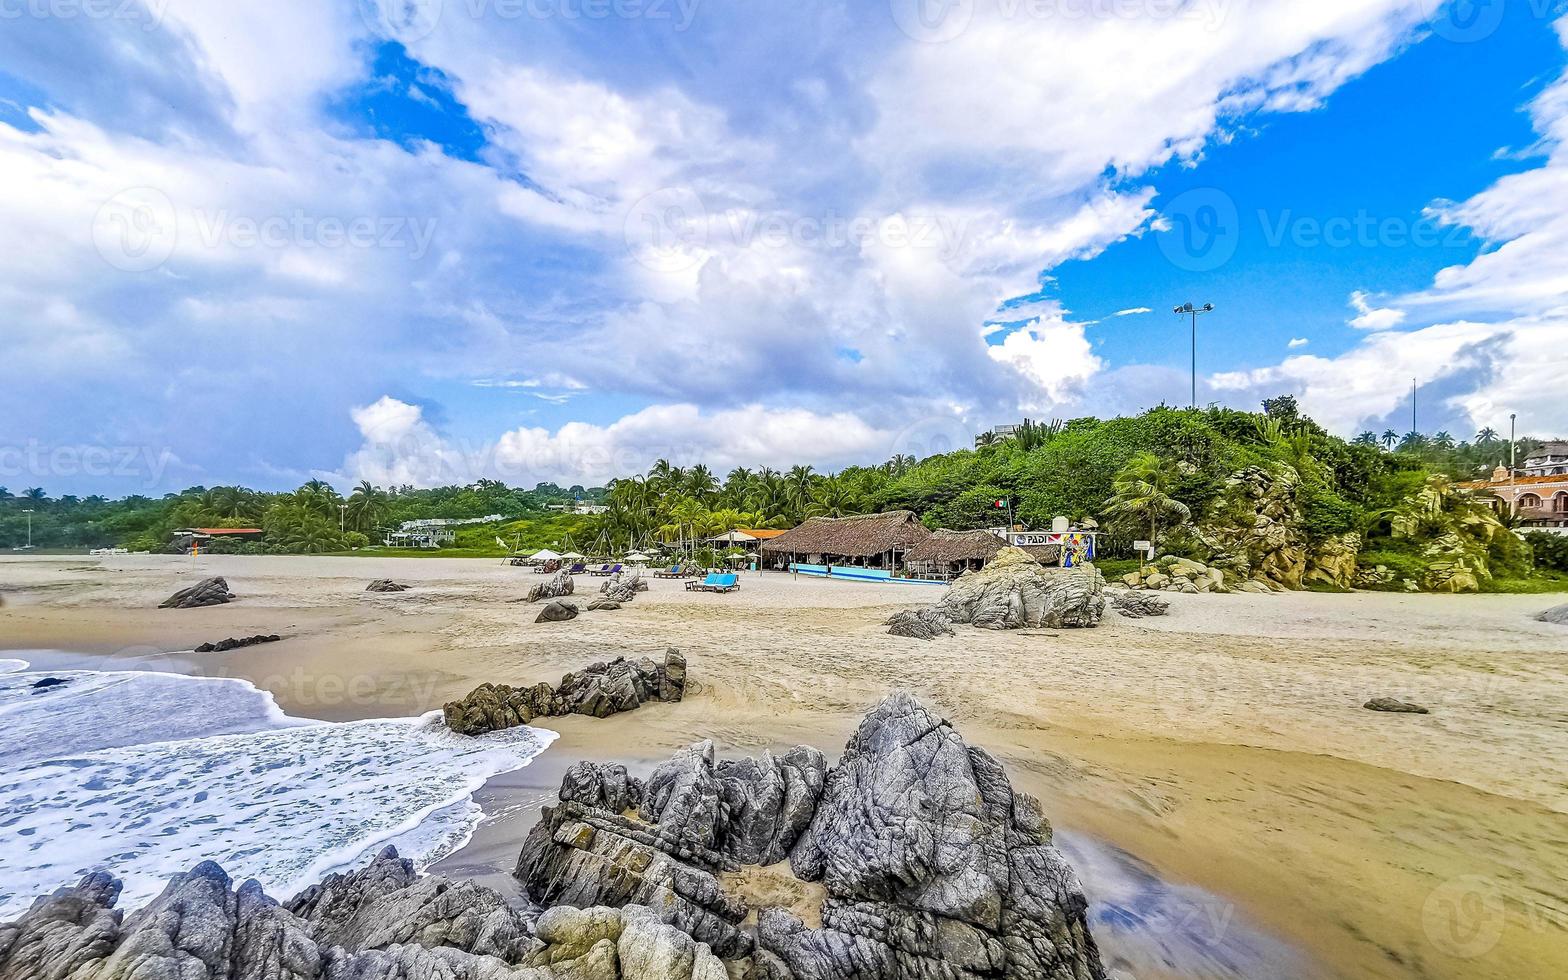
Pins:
x,y
1142,495
1443,440
1413,442
6,494
1366,439
35,495
367,506
986,439
1486,437
832,497
1388,438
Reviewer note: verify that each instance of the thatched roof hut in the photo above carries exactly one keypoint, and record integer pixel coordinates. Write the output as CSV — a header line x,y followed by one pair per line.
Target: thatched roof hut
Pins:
x,y
946,547
864,536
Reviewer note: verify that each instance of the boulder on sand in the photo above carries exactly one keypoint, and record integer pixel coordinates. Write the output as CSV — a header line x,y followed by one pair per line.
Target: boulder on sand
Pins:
x,y
919,624
599,690
558,611
1136,605
385,585
1015,591
1556,614
558,585
230,643
208,592
1395,706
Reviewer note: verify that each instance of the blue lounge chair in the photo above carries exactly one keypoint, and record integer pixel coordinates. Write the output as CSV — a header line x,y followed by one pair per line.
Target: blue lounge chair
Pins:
x,y
715,582
674,571
607,570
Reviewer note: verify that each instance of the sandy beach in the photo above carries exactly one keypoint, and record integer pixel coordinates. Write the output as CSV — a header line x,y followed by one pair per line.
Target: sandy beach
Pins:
x,y
1225,745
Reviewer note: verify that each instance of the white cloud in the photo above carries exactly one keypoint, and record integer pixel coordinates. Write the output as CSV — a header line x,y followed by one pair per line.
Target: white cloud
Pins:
x,y
1136,311
400,447
1373,318
1298,342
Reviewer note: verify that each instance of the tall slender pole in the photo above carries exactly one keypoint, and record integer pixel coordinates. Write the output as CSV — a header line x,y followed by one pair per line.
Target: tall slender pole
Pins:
x,y
1194,358
29,529
1513,458
1413,427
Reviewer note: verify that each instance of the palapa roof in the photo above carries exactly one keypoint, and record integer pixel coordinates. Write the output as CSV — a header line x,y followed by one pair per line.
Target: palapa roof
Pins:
x,y
946,547
859,537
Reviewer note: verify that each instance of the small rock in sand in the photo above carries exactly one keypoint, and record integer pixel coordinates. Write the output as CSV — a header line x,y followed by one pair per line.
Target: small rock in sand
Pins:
x,y
385,585
557,611
208,592
1556,614
1395,705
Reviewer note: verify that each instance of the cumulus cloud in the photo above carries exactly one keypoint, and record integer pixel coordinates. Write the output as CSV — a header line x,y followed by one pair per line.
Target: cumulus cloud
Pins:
x,y
1369,317
1298,342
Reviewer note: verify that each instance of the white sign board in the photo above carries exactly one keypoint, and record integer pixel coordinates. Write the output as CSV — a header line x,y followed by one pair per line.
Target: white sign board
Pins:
x,y
1142,546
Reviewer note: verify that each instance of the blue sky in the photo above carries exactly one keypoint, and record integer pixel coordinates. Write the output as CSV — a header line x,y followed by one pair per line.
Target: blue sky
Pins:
x,y
435,241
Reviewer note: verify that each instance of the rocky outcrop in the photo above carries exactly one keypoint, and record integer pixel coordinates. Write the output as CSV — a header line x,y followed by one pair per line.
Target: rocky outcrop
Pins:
x,y
929,864
599,690
558,585
558,611
920,624
1332,561
623,586
385,585
1395,706
1136,605
1556,614
1253,528
208,592
1014,591
232,643
1173,574
381,922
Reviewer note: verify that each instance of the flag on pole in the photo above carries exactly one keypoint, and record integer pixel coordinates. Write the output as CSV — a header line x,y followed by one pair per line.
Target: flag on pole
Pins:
x,y
999,504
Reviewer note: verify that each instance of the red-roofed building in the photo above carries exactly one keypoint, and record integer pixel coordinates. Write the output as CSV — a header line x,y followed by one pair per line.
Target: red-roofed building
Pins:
x,y
1538,499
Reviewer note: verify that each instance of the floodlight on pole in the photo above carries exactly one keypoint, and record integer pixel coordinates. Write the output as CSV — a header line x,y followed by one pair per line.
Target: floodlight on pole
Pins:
x,y
29,529
1187,309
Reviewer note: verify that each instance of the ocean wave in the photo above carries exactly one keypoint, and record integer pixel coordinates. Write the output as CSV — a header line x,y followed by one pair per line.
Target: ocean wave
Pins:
x,y
144,774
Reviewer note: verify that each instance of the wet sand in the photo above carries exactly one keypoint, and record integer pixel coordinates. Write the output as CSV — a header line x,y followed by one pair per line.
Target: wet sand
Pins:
x,y
1224,746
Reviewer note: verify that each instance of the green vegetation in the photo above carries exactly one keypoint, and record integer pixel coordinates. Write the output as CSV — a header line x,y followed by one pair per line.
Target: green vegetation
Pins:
x,y
1269,492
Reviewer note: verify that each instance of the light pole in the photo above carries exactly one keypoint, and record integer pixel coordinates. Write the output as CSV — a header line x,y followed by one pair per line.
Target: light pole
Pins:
x,y
29,529
1513,458
1187,309
342,518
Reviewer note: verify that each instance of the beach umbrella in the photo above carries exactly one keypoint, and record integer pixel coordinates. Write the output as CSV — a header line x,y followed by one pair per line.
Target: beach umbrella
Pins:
x,y
545,555
572,555
636,556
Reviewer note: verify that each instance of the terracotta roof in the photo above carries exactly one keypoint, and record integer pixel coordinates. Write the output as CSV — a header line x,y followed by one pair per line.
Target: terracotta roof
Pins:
x,y
1523,481
946,546
858,537
227,530
761,534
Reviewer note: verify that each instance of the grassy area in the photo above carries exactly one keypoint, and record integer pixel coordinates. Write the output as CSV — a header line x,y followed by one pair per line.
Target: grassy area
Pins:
x,y
1541,582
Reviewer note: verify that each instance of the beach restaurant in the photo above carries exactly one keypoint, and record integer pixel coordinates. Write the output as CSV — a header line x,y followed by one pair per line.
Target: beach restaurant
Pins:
x,y
871,546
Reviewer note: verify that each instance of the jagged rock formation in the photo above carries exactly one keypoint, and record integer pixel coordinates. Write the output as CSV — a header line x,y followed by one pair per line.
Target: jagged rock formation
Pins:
x,y
1015,591
385,585
381,922
931,865
558,585
1395,706
1556,614
600,690
1462,541
558,611
1173,574
208,592
233,644
920,624
623,586
1332,561
1136,605
1254,530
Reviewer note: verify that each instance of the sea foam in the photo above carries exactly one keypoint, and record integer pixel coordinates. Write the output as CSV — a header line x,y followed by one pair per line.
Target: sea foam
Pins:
x,y
145,774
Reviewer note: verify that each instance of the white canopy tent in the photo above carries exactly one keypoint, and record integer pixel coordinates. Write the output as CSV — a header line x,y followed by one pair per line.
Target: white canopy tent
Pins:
x,y
543,555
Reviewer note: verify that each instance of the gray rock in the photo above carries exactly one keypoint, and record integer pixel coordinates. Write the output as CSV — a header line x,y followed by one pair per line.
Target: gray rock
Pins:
x,y
919,624
223,646
1015,591
601,786
602,603
558,585
208,592
623,586
1136,605
1395,706
599,690
1556,614
385,585
558,611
